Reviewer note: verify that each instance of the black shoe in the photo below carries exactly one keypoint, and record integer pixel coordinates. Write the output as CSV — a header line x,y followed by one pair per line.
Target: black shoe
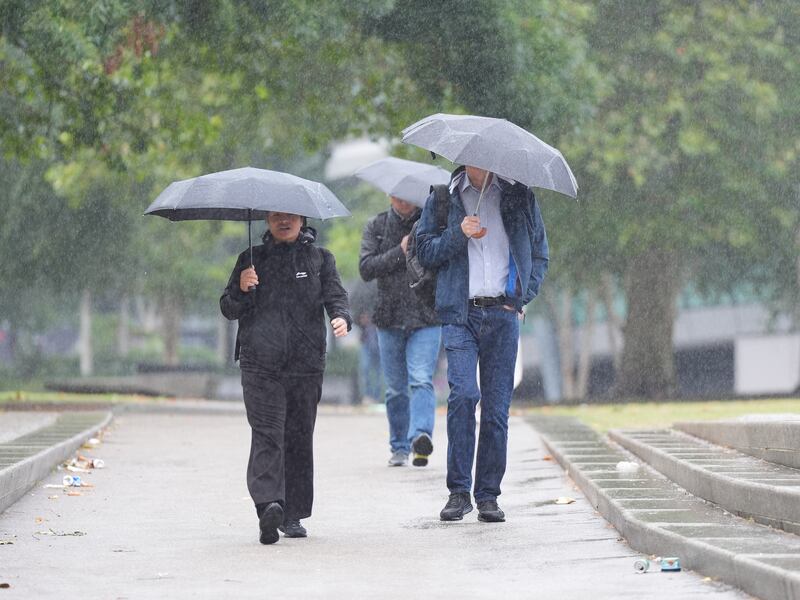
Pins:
x,y
457,506
489,512
269,517
291,528
422,447
398,459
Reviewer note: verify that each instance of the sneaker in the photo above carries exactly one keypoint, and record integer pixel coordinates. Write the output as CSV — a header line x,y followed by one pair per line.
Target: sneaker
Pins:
x,y
269,517
457,506
291,528
422,447
489,512
398,459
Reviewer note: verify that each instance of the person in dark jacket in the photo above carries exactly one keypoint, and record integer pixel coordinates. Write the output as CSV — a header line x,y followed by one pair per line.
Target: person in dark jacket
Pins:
x,y
408,334
279,302
491,259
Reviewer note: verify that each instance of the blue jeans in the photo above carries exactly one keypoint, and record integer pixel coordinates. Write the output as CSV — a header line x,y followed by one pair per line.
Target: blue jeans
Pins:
x,y
369,366
408,359
489,336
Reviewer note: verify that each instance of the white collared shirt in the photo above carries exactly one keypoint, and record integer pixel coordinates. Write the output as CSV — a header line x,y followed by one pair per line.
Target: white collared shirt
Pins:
x,y
488,256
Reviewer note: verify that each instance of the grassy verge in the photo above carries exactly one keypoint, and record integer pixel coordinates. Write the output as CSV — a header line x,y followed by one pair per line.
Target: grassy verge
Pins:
x,y
646,415
9,398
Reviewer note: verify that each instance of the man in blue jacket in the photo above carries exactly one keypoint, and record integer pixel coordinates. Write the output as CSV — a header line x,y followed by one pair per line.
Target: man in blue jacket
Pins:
x,y
490,265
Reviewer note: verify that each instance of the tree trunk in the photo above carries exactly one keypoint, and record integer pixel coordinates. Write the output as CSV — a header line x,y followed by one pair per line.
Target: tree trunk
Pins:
x,y
561,307
566,349
147,314
613,323
647,369
585,349
124,327
172,331
85,335
13,343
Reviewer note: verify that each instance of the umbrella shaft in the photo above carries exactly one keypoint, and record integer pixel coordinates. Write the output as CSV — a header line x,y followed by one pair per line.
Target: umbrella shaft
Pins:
x,y
250,235
483,188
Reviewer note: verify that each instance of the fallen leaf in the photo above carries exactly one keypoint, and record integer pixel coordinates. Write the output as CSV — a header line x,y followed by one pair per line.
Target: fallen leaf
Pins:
x,y
5,586
62,533
547,457
39,520
74,493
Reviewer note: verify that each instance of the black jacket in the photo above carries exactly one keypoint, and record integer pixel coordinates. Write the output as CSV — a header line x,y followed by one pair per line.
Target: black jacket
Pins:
x,y
383,259
282,323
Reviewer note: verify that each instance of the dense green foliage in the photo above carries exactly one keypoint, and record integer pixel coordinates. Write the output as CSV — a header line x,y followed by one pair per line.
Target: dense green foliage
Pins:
x,y
678,117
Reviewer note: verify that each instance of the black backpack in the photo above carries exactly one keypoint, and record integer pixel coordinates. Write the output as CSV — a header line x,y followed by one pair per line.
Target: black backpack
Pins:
x,y
420,279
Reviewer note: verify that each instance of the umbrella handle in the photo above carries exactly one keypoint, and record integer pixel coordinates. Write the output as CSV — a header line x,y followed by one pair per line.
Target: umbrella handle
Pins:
x,y
252,288
483,230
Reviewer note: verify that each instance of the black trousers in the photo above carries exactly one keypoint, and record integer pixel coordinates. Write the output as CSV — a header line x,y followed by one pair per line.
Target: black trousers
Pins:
x,y
282,411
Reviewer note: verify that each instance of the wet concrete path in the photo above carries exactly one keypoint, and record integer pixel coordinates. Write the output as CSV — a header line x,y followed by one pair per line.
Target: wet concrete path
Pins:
x,y
170,518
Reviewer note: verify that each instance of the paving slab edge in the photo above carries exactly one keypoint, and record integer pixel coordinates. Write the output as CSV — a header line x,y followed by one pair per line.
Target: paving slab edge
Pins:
x,y
772,505
771,441
19,478
754,577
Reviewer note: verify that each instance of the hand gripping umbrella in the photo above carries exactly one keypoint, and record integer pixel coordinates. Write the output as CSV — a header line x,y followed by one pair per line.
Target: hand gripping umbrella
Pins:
x,y
405,179
243,195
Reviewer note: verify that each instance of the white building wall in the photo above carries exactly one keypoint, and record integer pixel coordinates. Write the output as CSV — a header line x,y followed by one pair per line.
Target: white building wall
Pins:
x,y
767,364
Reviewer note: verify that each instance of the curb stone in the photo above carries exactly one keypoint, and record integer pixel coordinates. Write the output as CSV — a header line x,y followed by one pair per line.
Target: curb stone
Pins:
x,y
732,549
747,486
33,456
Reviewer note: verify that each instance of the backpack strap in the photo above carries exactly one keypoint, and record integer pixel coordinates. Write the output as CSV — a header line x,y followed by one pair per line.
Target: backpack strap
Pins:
x,y
442,204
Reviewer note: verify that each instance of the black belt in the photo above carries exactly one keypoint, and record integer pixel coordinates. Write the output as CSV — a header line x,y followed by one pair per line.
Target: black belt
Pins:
x,y
486,301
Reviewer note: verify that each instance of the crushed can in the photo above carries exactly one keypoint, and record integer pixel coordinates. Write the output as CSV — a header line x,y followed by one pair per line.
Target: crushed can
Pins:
x,y
663,564
72,480
641,565
670,563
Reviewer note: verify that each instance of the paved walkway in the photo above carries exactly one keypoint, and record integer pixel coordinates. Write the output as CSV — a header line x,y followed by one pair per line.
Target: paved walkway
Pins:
x,y
170,518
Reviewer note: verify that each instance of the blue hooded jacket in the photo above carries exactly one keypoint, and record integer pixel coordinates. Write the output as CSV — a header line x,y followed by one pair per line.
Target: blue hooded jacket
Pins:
x,y
447,251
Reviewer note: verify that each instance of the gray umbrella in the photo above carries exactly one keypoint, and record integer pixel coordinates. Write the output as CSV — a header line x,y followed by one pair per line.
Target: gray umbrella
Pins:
x,y
243,195
496,145
405,179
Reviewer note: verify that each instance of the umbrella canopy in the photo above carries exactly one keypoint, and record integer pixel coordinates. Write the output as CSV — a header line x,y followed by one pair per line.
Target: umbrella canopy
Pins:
x,y
405,179
496,145
245,194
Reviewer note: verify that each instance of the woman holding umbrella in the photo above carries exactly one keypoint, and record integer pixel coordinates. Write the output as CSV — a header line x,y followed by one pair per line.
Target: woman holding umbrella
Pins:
x,y
279,298
278,292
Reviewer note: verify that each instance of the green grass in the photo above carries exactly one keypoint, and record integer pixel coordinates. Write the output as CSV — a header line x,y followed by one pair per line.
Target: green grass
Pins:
x,y
648,415
9,398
